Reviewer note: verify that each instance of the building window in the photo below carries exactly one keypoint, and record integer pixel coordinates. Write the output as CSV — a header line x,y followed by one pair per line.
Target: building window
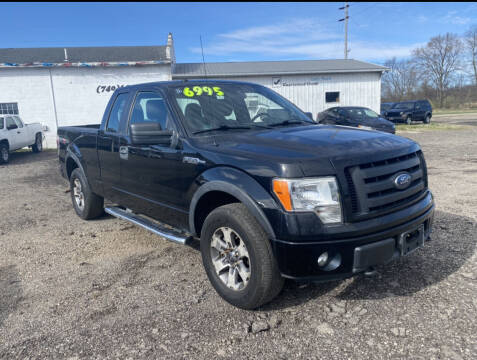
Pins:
x,y
332,97
9,108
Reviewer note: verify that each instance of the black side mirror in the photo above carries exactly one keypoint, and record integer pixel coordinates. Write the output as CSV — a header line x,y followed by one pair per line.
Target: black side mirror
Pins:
x,y
12,127
150,133
309,114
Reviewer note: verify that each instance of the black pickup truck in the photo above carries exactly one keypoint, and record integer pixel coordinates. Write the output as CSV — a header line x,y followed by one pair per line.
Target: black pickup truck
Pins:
x,y
269,193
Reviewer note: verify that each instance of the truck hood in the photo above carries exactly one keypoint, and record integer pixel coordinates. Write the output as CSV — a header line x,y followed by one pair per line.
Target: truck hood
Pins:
x,y
313,147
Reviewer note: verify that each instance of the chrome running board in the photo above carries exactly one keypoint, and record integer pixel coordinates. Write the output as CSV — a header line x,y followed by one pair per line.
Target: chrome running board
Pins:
x,y
169,234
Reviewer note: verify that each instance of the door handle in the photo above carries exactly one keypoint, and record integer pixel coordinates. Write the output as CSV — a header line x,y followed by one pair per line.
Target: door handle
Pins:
x,y
124,152
19,132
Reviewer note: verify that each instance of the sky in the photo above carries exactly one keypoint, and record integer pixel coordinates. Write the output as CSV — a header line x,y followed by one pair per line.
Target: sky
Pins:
x,y
238,31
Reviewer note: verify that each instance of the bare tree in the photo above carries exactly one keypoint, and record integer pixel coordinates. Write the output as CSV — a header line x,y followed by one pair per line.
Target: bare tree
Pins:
x,y
470,41
400,82
440,59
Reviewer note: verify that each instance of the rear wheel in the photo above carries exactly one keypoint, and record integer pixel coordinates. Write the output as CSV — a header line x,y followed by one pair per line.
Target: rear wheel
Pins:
x,y
4,153
38,145
238,258
87,204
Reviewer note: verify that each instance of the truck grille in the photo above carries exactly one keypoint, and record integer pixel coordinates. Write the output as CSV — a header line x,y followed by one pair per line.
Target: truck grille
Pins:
x,y
393,114
371,185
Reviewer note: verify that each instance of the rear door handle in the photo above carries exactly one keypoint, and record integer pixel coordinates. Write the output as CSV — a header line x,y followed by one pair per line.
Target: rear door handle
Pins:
x,y
124,152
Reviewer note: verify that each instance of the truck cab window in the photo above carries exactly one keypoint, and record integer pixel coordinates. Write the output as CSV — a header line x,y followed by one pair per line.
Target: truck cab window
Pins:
x,y
150,107
116,113
18,121
2,123
10,121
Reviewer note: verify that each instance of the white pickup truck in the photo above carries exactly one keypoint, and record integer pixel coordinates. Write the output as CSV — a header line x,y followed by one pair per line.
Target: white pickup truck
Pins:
x,y
15,134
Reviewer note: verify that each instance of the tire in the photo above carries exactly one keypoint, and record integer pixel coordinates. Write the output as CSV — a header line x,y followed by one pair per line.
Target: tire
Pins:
x,y
87,204
4,154
427,119
38,145
408,120
264,280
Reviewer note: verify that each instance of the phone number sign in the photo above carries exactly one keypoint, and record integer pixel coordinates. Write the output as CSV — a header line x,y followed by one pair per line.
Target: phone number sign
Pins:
x,y
108,88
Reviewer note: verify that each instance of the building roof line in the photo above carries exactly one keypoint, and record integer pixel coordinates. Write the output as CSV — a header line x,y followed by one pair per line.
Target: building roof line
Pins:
x,y
184,76
292,67
84,64
87,56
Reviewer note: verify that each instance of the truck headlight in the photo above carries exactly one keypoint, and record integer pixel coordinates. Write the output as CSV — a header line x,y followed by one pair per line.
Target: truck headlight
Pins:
x,y
401,113
320,195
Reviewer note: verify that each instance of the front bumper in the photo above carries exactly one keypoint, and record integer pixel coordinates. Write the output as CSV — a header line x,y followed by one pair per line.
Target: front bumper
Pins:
x,y
298,260
396,119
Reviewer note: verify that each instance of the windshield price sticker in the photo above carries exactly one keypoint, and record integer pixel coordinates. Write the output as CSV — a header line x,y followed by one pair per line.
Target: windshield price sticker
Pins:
x,y
202,90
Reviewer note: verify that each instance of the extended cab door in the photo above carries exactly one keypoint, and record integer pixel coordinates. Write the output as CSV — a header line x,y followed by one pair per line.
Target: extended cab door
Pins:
x,y
22,132
13,133
108,145
152,176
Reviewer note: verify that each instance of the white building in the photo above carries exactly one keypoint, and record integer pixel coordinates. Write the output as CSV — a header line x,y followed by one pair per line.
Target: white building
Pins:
x,y
71,86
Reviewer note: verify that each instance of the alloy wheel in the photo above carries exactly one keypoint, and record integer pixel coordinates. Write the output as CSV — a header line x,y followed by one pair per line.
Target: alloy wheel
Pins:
x,y
5,154
230,258
78,194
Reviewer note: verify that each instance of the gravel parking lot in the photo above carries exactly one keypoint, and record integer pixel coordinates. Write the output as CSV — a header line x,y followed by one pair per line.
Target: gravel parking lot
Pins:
x,y
107,289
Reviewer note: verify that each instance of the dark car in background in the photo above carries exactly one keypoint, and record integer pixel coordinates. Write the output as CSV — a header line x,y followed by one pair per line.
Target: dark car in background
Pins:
x,y
356,116
409,111
385,107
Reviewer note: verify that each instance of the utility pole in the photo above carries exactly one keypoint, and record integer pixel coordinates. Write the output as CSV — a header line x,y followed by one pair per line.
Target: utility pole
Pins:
x,y
345,19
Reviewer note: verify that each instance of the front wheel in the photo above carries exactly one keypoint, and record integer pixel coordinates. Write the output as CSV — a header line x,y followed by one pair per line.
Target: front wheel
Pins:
x,y
427,119
408,120
38,145
4,154
87,204
238,258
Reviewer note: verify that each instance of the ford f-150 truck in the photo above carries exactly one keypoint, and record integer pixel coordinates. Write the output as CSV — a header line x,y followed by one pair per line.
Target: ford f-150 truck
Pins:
x,y
15,134
269,193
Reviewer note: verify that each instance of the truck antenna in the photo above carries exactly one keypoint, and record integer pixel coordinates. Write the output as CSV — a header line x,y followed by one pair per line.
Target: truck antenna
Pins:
x,y
203,59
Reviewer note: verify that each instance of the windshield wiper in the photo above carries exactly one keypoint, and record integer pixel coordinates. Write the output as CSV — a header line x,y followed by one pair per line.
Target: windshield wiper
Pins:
x,y
261,126
221,127
289,122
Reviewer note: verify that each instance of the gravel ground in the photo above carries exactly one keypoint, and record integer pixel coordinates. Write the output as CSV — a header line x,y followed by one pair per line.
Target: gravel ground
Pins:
x,y
107,289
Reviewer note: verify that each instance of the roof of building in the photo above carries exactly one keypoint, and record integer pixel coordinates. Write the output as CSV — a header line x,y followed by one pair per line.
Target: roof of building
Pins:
x,y
88,56
252,68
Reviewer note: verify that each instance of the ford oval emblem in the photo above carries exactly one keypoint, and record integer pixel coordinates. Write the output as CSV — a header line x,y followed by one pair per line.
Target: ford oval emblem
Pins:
x,y
402,180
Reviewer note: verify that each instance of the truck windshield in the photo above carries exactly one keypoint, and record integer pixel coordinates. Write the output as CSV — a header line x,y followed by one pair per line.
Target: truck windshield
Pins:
x,y
211,106
404,105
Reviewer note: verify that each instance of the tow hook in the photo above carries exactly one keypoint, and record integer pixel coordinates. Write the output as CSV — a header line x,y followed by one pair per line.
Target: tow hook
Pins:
x,y
371,271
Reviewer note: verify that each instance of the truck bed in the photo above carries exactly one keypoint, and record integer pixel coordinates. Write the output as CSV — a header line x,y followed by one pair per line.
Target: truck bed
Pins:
x,y
73,132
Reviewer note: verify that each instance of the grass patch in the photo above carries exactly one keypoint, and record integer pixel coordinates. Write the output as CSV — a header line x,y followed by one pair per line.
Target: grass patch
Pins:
x,y
453,111
429,127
